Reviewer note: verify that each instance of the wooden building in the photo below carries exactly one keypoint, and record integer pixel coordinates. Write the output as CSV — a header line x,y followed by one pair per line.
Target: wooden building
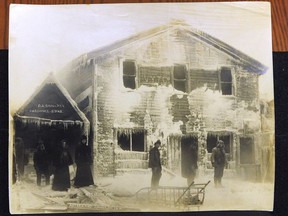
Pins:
x,y
172,83
50,114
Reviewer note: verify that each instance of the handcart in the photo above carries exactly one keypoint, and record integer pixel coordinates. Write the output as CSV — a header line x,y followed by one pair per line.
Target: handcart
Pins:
x,y
191,196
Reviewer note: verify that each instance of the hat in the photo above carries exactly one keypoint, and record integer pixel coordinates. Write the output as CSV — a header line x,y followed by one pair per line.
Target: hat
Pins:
x,y
157,142
220,142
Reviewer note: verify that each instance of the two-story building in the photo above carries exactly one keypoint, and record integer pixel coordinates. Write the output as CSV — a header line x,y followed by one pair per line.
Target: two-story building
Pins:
x,y
172,83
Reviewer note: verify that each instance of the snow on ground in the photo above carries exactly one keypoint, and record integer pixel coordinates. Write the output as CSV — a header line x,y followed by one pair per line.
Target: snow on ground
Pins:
x,y
235,194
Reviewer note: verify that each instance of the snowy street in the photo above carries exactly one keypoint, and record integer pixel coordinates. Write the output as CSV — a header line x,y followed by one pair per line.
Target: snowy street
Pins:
x,y
118,194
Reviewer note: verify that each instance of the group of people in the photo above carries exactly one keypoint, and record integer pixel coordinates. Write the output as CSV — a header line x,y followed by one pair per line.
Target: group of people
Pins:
x,y
218,161
62,164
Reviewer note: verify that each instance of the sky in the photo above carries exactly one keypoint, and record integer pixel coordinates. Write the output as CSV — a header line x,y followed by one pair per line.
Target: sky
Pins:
x,y
44,38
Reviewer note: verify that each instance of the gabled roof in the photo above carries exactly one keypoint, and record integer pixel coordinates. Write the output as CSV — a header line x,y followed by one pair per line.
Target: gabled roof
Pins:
x,y
252,64
51,103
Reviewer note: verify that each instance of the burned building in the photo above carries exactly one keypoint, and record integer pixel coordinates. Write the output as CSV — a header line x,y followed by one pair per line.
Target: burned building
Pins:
x,y
172,83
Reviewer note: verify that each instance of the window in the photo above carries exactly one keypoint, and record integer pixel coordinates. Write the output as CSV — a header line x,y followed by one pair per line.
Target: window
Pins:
x,y
212,140
129,74
131,140
179,77
226,81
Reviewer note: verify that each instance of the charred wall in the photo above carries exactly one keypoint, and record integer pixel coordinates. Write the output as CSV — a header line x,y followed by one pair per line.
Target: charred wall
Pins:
x,y
200,106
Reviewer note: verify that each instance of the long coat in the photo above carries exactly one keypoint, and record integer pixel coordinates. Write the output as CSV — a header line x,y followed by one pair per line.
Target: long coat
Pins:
x,y
62,161
41,161
189,160
83,161
154,158
218,157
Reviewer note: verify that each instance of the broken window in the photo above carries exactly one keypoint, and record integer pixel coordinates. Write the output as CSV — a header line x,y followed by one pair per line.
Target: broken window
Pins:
x,y
131,140
212,140
129,74
246,150
226,81
179,77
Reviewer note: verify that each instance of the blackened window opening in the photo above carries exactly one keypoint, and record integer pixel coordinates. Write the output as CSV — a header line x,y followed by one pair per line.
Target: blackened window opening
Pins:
x,y
226,81
179,76
129,74
212,141
131,141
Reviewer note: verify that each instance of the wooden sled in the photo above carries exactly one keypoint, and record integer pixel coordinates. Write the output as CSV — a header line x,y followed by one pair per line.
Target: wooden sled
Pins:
x,y
181,197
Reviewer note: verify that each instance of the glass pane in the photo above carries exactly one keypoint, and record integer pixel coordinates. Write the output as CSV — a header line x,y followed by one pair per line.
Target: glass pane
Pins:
x,y
226,75
129,82
226,88
129,68
180,85
179,72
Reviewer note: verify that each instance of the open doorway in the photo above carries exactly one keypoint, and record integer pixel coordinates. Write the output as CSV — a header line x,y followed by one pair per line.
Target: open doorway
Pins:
x,y
51,135
247,150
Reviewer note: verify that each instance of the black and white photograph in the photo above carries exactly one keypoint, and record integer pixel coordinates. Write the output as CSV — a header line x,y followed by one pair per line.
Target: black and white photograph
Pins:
x,y
153,107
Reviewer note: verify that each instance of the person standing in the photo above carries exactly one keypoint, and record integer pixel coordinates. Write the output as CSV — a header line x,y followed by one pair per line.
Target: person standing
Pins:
x,y
20,157
83,161
189,162
155,164
41,163
219,161
62,161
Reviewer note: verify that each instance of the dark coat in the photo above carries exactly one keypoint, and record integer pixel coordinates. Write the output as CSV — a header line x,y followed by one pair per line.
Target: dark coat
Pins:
x,y
41,160
218,157
22,159
83,161
189,160
62,161
154,158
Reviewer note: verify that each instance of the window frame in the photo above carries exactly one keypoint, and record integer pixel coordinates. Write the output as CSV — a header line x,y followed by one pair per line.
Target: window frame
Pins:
x,y
124,75
220,82
173,79
117,132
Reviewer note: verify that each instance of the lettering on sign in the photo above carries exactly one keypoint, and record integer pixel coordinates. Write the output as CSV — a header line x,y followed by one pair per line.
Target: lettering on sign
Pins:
x,y
48,108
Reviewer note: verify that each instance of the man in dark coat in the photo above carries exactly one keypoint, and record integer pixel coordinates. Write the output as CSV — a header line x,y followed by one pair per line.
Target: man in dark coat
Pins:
x,y
83,161
41,163
20,157
155,164
62,161
219,161
189,162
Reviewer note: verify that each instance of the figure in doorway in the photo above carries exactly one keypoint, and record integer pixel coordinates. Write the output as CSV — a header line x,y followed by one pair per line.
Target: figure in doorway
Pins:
x,y
62,161
219,161
189,162
155,164
20,157
83,161
41,161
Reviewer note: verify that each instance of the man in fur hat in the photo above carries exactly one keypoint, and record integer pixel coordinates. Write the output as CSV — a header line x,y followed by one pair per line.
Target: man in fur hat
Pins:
x,y
155,164
219,161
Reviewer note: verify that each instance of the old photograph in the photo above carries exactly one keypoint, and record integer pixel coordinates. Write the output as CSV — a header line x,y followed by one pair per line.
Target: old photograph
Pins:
x,y
165,107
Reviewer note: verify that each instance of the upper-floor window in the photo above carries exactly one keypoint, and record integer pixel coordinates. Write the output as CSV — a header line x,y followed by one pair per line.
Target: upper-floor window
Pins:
x,y
129,74
226,81
180,77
